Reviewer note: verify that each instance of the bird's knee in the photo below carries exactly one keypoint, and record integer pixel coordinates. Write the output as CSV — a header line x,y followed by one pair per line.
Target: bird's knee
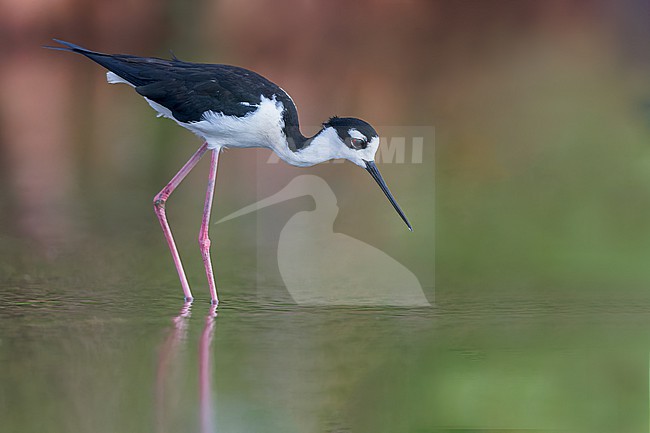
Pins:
x,y
159,202
204,243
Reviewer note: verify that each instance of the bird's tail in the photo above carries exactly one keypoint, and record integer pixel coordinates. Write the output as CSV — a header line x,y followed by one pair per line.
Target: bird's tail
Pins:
x,y
123,65
68,46
106,60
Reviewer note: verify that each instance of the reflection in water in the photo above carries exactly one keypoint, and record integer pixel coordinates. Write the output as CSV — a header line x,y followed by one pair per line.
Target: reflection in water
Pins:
x,y
168,357
205,368
555,366
167,354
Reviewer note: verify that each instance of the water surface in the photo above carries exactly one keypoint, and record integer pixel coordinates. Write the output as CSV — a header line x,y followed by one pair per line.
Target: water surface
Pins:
x,y
107,362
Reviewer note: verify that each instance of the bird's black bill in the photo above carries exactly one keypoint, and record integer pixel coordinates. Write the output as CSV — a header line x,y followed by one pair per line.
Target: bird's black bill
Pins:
x,y
374,172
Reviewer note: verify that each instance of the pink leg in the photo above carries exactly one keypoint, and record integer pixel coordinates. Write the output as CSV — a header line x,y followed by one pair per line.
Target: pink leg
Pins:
x,y
159,207
204,240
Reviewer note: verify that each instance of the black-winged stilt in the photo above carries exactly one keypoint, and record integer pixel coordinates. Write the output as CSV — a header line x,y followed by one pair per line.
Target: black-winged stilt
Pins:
x,y
229,106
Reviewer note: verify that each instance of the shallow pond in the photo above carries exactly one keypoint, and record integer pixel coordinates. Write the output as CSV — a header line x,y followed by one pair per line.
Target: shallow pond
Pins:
x,y
129,356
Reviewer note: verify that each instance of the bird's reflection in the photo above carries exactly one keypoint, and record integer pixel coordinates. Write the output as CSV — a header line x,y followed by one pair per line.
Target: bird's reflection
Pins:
x,y
168,358
205,369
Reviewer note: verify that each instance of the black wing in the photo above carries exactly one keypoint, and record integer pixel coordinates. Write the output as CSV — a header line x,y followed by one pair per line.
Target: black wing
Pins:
x,y
190,89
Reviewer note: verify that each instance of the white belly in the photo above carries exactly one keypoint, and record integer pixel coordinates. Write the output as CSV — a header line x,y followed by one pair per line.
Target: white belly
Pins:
x,y
260,128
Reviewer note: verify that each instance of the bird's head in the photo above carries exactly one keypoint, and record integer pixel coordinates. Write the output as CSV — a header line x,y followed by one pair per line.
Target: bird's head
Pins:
x,y
354,139
357,141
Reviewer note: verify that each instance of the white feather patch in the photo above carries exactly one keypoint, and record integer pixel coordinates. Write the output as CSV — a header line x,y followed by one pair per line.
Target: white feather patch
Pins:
x,y
356,134
162,111
260,128
113,78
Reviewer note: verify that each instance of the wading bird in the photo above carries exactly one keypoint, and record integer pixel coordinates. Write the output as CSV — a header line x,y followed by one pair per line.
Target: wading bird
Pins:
x,y
229,106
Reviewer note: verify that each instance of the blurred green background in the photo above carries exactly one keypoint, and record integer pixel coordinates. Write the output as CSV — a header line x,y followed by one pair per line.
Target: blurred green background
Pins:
x,y
537,211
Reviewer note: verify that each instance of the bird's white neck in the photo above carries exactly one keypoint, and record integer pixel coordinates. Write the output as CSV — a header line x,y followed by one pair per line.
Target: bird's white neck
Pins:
x,y
320,148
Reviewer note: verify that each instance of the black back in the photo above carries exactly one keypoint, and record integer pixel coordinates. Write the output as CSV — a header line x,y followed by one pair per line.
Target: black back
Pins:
x,y
190,89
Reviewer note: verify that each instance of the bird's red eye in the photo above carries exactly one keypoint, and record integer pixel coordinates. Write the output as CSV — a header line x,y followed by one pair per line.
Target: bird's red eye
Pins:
x,y
358,143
